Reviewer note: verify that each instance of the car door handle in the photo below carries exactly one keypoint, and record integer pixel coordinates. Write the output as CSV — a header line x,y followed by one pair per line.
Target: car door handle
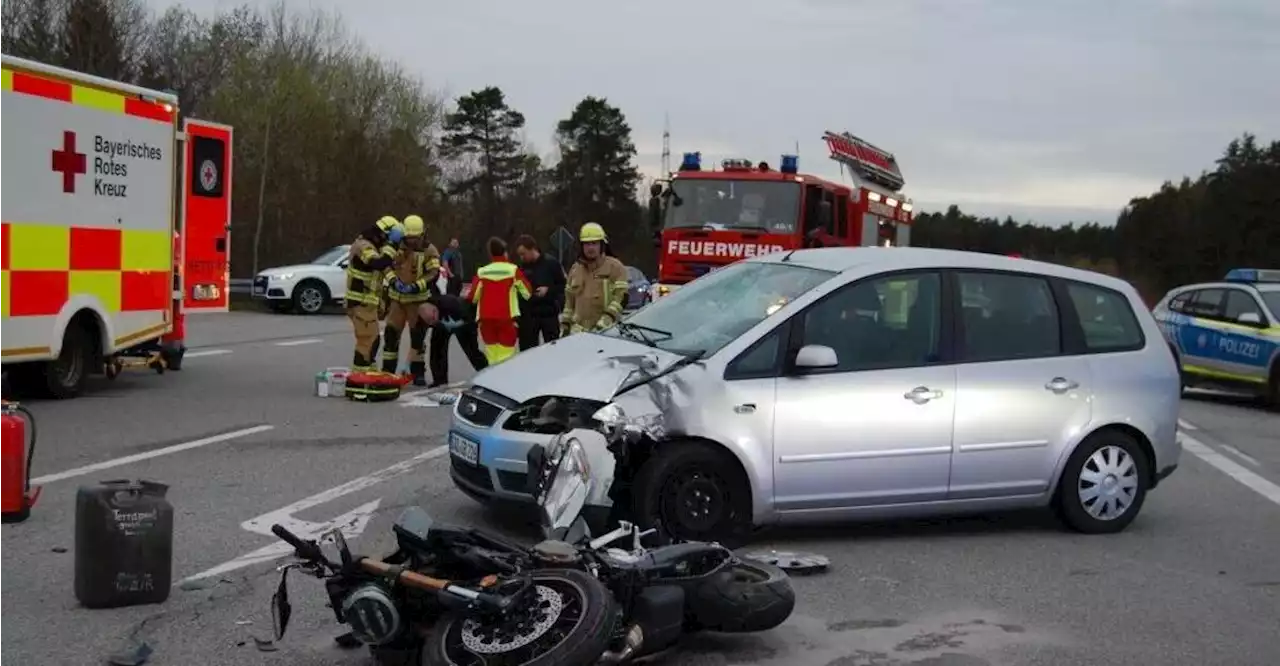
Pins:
x,y
1061,385
921,394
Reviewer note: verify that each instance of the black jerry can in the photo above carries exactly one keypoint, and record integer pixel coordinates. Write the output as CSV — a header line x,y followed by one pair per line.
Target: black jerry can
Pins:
x,y
124,544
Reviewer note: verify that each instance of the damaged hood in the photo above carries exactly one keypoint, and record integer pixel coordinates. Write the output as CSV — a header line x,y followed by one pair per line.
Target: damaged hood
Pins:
x,y
586,366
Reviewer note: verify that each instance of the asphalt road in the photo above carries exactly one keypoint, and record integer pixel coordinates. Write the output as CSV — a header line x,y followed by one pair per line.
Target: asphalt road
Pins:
x,y
238,435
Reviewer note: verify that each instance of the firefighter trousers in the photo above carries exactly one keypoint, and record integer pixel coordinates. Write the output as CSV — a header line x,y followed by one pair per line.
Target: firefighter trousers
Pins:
x,y
364,321
399,317
500,337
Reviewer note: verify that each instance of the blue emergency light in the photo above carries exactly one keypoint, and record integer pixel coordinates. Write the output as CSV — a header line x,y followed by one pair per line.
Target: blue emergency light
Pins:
x,y
1252,275
691,162
790,164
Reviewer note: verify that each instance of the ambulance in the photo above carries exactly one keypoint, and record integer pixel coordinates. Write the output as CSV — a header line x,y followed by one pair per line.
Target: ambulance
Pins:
x,y
116,216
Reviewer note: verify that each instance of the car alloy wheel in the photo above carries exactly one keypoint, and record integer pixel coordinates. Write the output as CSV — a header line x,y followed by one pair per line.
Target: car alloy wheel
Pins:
x,y
1108,483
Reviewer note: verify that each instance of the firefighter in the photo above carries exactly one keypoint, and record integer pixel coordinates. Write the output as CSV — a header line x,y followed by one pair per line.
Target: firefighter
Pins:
x,y
496,290
411,278
371,253
597,288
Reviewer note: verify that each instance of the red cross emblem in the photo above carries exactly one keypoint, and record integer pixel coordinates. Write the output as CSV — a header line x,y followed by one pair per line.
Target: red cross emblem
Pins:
x,y
68,162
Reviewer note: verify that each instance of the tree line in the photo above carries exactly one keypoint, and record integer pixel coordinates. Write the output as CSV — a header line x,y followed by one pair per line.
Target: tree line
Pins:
x,y
330,136
1190,232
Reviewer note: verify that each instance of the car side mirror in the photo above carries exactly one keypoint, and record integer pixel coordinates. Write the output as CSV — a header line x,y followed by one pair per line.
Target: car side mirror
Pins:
x,y
1251,318
814,357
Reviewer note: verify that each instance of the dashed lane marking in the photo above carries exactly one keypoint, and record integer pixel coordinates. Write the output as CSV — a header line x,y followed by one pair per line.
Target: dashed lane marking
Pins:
x,y
1231,468
197,353
147,455
1241,455
295,343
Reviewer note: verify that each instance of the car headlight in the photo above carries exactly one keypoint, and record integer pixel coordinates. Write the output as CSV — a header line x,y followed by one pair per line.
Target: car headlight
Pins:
x,y
567,493
613,419
283,277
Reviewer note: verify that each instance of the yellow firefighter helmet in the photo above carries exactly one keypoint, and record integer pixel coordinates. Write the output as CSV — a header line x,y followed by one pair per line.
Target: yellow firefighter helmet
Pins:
x,y
413,226
592,233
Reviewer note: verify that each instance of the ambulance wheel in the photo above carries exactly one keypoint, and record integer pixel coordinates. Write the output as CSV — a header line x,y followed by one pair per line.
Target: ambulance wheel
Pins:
x,y
112,368
310,297
65,376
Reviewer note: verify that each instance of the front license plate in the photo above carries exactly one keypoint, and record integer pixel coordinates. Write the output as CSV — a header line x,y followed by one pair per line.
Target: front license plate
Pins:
x,y
259,290
463,448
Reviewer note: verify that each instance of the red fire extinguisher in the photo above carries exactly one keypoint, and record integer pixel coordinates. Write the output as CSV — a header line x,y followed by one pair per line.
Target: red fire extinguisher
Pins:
x,y
16,450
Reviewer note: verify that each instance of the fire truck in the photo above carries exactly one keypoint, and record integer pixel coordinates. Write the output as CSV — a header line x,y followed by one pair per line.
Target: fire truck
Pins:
x,y
706,219
116,214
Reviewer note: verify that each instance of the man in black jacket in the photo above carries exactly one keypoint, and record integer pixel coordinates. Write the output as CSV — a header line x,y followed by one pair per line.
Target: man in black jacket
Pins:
x,y
450,316
540,315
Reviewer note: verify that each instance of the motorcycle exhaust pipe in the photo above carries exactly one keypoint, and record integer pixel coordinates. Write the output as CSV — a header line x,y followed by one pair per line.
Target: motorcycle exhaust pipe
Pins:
x,y
632,644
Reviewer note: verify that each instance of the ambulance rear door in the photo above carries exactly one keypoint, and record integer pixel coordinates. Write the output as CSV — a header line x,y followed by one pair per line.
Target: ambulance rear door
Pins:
x,y
206,229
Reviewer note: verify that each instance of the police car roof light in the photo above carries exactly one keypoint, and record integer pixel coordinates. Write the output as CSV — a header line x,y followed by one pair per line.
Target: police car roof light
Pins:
x,y
691,162
1253,275
790,164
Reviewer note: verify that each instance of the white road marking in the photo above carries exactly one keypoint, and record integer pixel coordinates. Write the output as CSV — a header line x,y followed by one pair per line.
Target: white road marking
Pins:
x,y
295,343
1231,468
147,455
352,522
1242,455
1186,426
197,353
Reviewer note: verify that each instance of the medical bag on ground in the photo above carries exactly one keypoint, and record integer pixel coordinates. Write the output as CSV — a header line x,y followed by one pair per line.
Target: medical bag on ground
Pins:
x,y
375,386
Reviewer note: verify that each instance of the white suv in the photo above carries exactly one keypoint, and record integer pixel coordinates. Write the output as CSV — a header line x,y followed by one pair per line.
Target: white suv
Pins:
x,y
305,288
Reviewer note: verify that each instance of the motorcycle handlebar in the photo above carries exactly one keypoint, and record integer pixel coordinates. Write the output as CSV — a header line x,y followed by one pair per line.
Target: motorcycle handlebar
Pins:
x,y
307,550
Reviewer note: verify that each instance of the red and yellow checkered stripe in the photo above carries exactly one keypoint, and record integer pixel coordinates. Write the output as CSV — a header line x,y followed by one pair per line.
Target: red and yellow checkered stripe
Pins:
x,y
44,265
86,96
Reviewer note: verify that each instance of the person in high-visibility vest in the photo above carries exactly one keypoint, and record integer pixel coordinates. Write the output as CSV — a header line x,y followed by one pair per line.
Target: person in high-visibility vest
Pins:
x,y
597,289
412,278
371,253
496,290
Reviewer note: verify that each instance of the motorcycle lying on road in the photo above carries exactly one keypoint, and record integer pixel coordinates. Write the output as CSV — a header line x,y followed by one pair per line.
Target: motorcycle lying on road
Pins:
x,y
450,596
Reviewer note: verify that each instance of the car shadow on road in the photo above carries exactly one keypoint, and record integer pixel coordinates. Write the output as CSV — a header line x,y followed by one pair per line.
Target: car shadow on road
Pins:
x,y
994,524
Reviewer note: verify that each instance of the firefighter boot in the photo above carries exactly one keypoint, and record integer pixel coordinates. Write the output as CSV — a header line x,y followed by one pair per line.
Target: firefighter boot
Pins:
x,y
417,344
390,348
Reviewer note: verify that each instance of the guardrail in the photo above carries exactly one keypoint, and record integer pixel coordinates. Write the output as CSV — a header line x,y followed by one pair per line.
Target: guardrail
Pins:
x,y
240,285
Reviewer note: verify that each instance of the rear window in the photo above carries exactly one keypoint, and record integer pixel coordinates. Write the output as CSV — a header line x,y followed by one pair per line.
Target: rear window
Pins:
x,y
1106,318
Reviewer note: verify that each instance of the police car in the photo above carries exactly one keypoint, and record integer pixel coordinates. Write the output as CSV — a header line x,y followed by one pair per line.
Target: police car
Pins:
x,y
1227,334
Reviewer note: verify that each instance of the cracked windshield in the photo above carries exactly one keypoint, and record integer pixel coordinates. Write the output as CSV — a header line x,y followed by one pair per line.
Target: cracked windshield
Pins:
x,y
403,333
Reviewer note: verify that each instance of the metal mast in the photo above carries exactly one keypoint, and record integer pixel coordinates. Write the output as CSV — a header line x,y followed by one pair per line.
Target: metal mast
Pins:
x,y
666,145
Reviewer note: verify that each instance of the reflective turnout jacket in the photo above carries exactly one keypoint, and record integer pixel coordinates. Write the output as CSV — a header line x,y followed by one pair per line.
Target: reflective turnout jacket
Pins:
x,y
497,289
416,267
595,295
365,271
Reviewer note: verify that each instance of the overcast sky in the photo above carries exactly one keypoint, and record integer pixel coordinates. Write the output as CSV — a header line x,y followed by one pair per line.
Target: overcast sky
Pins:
x,y
1050,110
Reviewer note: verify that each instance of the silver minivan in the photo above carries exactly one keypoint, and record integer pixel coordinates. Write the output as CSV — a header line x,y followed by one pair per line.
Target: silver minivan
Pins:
x,y
850,383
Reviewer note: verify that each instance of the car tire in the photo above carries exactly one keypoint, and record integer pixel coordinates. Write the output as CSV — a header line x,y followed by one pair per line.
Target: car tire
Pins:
x,y
310,297
694,491
1121,474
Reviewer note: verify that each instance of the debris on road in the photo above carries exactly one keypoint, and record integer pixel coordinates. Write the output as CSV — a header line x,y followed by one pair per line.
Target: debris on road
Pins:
x,y
792,562
135,656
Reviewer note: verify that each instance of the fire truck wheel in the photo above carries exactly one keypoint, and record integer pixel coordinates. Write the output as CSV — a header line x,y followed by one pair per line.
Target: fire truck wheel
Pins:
x,y
65,376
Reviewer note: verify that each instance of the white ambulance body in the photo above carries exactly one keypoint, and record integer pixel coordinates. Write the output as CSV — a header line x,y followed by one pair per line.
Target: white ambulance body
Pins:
x,y
89,203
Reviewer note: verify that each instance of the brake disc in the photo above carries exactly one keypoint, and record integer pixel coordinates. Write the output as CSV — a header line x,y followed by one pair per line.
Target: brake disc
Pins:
x,y
792,562
483,639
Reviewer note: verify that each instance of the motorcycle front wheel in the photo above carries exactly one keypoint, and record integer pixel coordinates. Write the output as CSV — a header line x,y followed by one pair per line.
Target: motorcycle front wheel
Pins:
x,y
569,622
